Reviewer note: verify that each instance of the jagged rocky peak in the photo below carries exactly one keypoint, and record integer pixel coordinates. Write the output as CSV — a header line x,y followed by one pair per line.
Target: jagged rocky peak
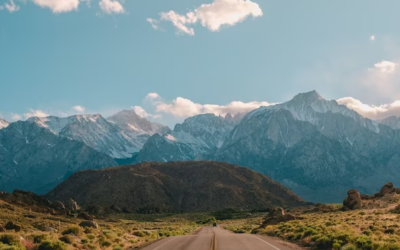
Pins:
x,y
392,121
56,124
307,98
3,123
133,123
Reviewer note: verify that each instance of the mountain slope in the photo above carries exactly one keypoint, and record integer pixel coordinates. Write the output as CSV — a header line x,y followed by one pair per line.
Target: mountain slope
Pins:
x,y
3,123
316,147
35,159
198,137
392,121
175,186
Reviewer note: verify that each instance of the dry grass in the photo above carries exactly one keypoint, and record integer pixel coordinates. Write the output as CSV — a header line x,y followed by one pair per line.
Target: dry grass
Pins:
x,y
372,229
123,231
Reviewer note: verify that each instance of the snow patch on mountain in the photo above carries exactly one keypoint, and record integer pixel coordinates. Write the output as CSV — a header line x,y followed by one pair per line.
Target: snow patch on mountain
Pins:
x,y
3,123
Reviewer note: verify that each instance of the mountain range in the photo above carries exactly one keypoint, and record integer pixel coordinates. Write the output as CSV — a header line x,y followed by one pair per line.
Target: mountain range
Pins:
x,y
314,146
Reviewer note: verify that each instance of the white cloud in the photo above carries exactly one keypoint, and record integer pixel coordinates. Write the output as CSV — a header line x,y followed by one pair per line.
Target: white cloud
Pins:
x,y
386,66
213,16
58,6
35,113
153,22
372,38
111,7
371,111
11,7
183,108
79,109
16,117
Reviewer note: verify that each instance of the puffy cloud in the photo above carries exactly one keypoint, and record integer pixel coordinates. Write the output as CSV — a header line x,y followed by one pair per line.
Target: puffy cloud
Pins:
x,y
11,7
35,113
58,6
183,108
213,16
111,7
79,109
386,66
371,111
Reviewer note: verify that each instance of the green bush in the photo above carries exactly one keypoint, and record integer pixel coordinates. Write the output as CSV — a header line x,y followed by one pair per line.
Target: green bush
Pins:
x,y
349,247
72,230
38,238
9,239
106,243
52,245
67,239
8,247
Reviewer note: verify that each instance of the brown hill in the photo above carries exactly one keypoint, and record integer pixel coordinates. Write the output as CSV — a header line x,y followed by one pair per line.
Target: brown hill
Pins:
x,y
175,187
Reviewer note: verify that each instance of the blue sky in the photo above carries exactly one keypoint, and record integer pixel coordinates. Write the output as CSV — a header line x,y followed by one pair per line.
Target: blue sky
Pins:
x,y
107,57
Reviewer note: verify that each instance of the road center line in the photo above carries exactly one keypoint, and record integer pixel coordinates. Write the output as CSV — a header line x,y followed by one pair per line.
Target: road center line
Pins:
x,y
165,243
267,243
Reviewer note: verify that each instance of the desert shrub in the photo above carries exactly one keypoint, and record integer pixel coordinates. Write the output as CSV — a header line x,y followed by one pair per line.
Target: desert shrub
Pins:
x,y
367,232
28,244
91,236
37,238
52,245
364,242
118,248
348,247
9,239
72,230
67,239
90,247
389,231
106,243
144,233
336,245
8,247
84,241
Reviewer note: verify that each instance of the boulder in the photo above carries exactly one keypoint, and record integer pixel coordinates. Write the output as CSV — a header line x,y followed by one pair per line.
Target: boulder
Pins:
x,y
2,229
84,215
353,200
366,197
89,223
11,226
59,205
277,215
71,205
388,188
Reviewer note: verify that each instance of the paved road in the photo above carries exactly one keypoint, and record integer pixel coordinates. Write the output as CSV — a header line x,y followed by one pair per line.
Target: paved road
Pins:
x,y
224,240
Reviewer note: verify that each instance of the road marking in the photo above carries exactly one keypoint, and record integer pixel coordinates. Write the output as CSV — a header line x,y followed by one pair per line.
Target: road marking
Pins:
x,y
267,243
165,243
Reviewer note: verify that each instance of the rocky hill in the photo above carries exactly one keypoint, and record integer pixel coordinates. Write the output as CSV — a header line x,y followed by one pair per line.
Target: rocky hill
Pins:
x,y
35,159
174,187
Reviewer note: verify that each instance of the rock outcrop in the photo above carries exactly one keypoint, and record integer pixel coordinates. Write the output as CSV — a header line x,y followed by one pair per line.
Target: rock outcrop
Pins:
x,y
85,215
89,223
353,200
388,188
275,216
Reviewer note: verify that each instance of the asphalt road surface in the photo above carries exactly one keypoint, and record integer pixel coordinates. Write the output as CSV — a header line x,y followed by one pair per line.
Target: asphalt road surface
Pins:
x,y
214,238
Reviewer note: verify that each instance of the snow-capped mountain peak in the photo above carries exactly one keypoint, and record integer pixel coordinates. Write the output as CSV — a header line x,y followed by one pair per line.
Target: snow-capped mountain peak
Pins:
x,y
135,125
3,123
